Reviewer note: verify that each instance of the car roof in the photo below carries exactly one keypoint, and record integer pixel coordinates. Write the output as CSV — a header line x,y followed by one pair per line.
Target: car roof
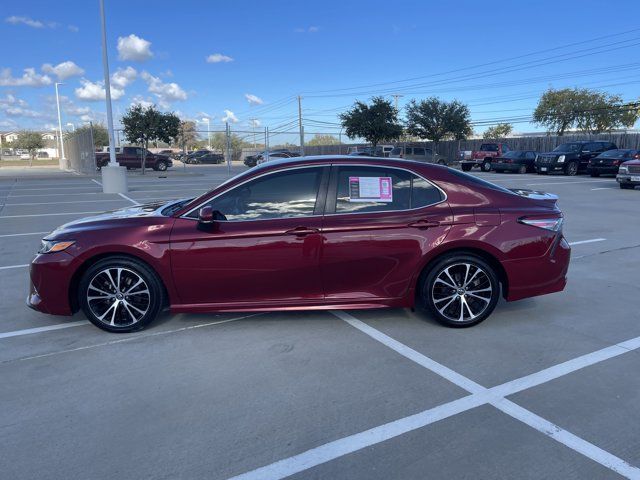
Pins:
x,y
323,159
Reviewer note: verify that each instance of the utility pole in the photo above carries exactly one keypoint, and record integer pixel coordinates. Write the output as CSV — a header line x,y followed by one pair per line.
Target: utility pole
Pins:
x,y
62,161
301,126
228,147
266,143
114,177
396,96
253,128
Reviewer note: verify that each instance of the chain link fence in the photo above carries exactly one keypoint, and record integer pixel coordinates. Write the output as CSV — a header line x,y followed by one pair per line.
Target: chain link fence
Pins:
x,y
79,151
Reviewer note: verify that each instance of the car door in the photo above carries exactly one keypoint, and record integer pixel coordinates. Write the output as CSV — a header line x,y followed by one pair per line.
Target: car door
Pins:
x,y
373,247
264,251
589,151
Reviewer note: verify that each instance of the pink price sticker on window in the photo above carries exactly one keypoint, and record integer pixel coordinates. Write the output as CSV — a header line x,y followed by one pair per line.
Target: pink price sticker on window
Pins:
x,y
370,189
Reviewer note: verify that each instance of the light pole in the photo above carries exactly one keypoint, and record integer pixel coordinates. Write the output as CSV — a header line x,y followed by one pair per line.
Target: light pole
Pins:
x,y
114,177
73,127
206,120
62,161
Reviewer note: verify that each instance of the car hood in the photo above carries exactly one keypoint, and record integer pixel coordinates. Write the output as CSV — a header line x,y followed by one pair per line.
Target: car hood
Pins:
x,y
113,218
631,162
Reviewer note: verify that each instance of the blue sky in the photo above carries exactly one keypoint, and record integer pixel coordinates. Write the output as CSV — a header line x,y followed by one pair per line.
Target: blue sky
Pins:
x,y
240,60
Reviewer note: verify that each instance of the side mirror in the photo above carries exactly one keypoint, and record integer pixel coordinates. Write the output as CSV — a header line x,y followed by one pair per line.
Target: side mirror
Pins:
x,y
205,215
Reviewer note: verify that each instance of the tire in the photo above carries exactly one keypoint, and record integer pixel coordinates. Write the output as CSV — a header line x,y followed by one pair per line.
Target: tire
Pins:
x,y
466,167
133,311
594,174
571,169
446,303
161,166
441,162
522,169
486,166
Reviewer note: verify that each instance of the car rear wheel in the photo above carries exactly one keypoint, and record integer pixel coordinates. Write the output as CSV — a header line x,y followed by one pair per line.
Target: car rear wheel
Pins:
x,y
460,290
571,169
466,167
486,166
119,294
442,162
522,169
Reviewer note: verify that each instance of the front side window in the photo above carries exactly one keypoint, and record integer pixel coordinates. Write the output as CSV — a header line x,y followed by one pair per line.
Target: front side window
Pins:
x,y
284,194
379,189
568,147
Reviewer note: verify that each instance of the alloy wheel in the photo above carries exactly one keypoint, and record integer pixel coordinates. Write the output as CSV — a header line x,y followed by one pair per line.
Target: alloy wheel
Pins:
x,y
118,297
462,292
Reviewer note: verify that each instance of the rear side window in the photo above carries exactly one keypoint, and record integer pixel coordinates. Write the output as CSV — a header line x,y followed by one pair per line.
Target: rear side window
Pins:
x,y
379,189
418,151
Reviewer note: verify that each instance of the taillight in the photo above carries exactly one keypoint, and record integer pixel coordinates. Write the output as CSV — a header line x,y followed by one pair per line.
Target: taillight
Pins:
x,y
554,224
616,162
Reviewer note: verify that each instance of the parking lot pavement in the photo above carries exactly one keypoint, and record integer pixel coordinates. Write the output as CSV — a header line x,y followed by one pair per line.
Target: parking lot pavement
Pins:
x,y
545,388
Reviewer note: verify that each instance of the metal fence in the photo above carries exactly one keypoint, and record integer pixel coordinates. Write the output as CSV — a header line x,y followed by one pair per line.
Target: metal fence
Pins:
x,y
79,151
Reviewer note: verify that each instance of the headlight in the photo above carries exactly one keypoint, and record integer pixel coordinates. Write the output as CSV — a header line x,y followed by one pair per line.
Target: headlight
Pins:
x,y
51,246
561,159
623,169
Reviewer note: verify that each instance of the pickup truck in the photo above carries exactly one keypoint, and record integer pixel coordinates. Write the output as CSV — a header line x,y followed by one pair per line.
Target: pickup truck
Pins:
x,y
131,157
482,158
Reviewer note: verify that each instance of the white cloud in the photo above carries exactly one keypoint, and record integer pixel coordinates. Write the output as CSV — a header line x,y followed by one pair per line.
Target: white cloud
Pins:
x,y
255,123
11,100
95,91
311,29
253,99
73,28
28,79
63,70
229,116
204,115
134,48
30,22
123,77
140,100
166,93
25,113
219,58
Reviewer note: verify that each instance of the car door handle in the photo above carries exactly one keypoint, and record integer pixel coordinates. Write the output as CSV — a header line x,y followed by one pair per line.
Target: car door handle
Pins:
x,y
302,231
424,224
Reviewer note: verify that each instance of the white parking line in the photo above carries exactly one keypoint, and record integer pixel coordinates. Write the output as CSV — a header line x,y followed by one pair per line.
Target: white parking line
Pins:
x,y
127,198
96,181
603,188
58,203
47,214
566,183
9,267
480,395
592,240
30,331
22,234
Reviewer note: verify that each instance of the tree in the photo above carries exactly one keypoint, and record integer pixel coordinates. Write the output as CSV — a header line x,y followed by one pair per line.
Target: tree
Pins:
x,y
375,123
100,134
437,120
187,137
219,142
30,141
319,139
586,110
143,125
501,130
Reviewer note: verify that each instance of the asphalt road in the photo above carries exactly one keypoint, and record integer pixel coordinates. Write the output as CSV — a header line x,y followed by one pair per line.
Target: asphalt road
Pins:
x,y
545,388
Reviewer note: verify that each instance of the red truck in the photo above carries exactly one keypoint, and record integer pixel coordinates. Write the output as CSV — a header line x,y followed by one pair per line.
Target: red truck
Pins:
x,y
482,158
131,157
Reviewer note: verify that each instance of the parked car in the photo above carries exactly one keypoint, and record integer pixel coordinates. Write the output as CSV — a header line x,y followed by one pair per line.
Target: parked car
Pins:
x,y
253,160
629,174
420,154
42,155
310,233
521,161
608,162
571,158
188,158
208,158
131,157
482,158
167,152
360,151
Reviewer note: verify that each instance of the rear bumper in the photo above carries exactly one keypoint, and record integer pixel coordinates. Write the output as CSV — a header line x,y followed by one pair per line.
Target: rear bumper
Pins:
x,y
603,170
531,277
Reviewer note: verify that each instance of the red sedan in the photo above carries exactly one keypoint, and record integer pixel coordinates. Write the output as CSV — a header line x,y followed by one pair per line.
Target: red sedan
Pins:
x,y
310,233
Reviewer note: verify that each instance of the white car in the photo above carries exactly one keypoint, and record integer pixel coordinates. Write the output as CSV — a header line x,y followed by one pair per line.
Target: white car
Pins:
x,y
25,156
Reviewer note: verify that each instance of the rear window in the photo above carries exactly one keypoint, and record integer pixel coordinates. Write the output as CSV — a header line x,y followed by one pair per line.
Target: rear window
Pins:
x,y
615,153
478,181
489,147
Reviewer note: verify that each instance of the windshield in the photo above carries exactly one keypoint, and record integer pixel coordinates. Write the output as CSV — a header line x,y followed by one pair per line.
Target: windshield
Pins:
x,y
513,154
568,147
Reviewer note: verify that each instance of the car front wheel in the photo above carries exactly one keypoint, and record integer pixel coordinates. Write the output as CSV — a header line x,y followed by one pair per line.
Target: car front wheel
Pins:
x,y
119,294
522,169
486,166
571,169
460,290
161,166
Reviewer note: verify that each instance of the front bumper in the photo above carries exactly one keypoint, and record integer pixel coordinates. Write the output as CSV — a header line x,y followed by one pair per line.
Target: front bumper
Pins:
x,y
628,179
49,288
549,167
